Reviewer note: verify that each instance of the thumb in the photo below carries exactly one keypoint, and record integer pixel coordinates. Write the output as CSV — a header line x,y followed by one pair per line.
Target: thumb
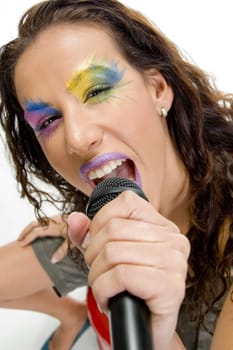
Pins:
x,y
78,229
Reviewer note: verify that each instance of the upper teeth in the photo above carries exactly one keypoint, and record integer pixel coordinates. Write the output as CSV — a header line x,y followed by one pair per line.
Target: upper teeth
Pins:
x,y
105,169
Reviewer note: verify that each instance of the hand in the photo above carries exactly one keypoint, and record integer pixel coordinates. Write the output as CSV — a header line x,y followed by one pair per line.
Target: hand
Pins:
x,y
57,227
132,247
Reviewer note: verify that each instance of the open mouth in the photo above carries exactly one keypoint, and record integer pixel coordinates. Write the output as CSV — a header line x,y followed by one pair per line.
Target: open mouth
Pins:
x,y
112,168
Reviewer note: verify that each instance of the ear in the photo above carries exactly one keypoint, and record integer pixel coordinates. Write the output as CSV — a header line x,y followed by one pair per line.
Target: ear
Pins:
x,y
161,92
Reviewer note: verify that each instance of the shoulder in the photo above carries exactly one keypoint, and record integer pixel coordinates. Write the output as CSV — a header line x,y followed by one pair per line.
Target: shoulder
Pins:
x,y
223,335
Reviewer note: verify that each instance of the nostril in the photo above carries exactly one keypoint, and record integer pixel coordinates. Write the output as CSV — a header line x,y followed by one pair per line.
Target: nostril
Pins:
x,y
82,138
92,145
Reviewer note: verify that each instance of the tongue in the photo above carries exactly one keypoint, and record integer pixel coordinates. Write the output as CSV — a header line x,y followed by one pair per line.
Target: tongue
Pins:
x,y
124,170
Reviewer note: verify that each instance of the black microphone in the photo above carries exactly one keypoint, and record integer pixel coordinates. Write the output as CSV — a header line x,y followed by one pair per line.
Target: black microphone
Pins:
x,y
130,324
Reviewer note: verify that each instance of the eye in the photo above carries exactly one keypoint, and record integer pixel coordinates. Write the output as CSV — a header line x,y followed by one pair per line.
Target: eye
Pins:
x,y
48,121
96,91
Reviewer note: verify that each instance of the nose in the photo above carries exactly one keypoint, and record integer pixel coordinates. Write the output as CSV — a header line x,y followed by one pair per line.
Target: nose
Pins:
x,y
82,134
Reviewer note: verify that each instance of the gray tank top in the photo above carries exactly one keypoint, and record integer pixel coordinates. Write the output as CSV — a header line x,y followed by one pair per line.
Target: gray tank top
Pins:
x,y
192,334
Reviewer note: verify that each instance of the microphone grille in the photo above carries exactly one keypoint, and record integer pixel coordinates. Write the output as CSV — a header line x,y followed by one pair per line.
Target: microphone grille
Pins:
x,y
108,190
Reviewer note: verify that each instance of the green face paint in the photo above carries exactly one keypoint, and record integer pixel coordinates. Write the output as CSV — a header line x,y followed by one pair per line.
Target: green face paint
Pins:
x,y
95,82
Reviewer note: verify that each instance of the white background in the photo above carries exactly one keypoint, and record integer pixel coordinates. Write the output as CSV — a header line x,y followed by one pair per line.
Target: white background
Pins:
x,y
203,29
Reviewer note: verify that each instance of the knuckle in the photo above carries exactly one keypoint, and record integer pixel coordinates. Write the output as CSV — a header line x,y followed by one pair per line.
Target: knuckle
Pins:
x,y
186,245
177,258
127,196
112,228
178,287
109,252
179,262
120,274
173,227
182,243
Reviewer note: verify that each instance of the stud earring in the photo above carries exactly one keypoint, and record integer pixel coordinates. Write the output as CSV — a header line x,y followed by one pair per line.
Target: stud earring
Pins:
x,y
163,112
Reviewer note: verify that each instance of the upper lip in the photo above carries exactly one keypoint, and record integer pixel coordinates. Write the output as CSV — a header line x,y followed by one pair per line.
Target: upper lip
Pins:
x,y
99,162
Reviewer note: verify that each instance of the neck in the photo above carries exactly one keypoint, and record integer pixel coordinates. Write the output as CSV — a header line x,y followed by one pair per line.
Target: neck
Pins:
x,y
179,205
180,216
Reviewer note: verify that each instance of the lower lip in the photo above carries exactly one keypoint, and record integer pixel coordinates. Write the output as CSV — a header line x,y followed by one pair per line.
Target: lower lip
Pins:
x,y
138,178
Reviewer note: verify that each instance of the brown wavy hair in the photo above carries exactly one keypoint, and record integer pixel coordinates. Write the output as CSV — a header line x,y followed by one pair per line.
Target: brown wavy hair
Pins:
x,y
200,123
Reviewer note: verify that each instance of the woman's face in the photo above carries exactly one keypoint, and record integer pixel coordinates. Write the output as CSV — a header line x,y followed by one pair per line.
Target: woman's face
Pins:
x,y
94,115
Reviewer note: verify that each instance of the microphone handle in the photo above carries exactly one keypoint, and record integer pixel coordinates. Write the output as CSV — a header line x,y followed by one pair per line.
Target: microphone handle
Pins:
x,y
130,325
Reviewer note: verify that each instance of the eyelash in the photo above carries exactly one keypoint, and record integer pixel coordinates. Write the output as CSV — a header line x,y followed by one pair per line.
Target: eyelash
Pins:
x,y
96,91
46,123
92,94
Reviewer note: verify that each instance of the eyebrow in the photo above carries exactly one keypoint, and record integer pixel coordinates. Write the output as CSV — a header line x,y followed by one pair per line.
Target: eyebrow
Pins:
x,y
32,106
111,72
79,75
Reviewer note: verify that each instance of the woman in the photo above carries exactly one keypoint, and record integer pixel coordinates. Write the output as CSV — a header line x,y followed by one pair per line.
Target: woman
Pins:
x,y
32,258
120,100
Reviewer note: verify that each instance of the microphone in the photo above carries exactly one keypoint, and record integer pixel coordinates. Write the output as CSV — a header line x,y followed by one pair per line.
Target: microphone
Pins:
x,y
130,325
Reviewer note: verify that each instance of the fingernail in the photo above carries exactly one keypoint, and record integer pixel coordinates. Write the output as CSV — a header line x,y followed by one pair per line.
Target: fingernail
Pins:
x,y
54,260
69,216
85,241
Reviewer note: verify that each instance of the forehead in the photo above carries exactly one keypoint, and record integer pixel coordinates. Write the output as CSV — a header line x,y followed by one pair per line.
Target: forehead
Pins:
x,y
61,49
64,35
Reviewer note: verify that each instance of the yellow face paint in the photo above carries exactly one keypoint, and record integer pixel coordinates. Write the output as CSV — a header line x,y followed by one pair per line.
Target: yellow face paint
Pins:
x,y
94,82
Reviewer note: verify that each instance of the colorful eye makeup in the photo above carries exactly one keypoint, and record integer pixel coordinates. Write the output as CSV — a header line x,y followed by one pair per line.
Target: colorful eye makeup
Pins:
x,y
94,82
41,116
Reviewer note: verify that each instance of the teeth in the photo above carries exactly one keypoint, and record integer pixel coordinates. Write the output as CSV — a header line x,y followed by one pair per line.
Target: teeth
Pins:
x,y
105,169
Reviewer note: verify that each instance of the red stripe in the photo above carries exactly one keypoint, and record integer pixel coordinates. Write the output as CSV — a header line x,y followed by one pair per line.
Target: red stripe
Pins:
x,y
99,320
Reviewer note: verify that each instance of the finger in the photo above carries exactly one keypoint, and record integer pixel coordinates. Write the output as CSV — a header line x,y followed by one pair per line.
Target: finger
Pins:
x,y
120,230
37,232
158,255
78,224
57,226
129,205
152,285
60,253
27,230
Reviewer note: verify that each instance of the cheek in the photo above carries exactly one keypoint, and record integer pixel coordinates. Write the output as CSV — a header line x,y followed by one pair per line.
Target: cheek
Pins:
x,y
142,124
145,134
54,151
64,164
